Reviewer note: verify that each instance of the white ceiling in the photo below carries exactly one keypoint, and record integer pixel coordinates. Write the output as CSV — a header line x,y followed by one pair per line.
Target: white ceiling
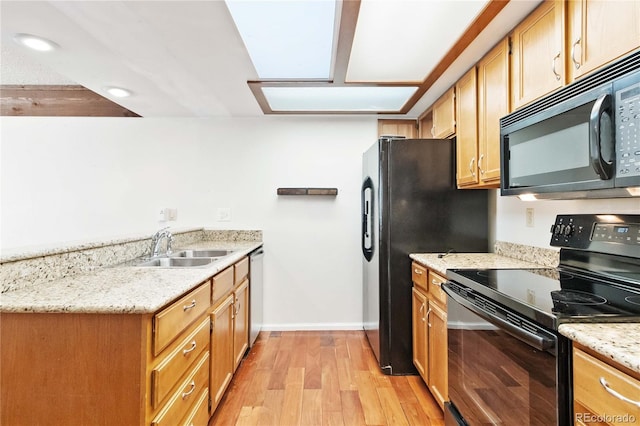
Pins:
x,y
179,58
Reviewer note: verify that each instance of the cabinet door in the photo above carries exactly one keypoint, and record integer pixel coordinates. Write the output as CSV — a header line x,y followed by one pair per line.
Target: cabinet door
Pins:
x,y
240,322
599,32
406,128
425,125
221,349
419,331
538,54
493,104
437,323
444,115
467,129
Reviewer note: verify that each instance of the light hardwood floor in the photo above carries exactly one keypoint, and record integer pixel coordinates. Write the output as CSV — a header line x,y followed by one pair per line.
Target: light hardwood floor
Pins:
x,y
321,378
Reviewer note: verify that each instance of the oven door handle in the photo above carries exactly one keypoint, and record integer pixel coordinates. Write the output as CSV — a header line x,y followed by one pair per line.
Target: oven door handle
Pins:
x,y
535,340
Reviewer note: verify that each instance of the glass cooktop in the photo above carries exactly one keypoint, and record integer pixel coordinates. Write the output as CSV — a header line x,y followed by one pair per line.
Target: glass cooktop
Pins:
x,y
552,296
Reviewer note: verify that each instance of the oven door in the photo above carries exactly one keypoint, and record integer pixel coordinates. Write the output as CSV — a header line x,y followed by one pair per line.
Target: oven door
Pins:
x,y
499,373
567,147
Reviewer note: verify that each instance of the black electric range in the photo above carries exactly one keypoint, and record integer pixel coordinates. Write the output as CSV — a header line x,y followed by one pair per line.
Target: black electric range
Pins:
x,y
599,281
502,324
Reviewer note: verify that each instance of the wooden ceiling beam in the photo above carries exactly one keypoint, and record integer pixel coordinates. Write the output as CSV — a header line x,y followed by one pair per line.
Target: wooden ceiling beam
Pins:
x,y
59,101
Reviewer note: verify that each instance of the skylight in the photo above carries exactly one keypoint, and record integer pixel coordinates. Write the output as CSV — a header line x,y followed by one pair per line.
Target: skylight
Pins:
x,y
287,39
337,99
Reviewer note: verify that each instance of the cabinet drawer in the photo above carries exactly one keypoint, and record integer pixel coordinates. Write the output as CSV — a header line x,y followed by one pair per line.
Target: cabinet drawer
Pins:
x,y
419,275
435,288
222,284
589,391
241,270
200,413
185,398
170,322
168,372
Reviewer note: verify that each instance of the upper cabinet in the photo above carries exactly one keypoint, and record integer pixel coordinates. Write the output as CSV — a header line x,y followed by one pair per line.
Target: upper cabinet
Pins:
x,y
444,119
406,128
467,130
425,125
493,103
538,54
482,97
599,32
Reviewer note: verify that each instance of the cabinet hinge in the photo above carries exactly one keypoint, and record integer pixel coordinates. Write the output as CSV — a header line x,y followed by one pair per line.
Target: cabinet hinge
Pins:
x,y
509,46
210,326
210,404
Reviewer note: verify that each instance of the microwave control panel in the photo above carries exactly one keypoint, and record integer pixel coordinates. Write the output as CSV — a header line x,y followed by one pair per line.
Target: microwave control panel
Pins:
x,y
628,130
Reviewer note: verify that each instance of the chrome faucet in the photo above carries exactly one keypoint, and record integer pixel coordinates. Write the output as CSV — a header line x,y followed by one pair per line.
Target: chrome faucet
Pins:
x,y
157,238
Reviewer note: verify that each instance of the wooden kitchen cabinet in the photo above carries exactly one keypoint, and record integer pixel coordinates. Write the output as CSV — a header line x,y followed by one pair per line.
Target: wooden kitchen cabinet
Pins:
x,y
444,115
425,125
230,327
467,129
406,128
599,32
591,398
538,54
222,362
429,322
420,332
493,104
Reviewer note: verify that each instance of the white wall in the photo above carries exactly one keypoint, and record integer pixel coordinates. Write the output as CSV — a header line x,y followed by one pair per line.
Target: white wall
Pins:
x,y
511,216
69,179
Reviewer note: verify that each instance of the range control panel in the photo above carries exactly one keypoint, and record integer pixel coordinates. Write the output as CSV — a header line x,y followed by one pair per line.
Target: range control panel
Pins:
x,y
609,233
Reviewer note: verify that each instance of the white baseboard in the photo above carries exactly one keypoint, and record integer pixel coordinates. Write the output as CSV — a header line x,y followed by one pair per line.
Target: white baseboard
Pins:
x,y
312,327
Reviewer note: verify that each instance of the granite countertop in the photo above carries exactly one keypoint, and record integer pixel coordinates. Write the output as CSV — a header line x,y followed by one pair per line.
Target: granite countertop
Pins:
x,y
470,260
121,288
619,342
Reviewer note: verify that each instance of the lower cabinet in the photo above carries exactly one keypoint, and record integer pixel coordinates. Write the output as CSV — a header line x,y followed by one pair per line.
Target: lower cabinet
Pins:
x,y
429,313
161,369
603,394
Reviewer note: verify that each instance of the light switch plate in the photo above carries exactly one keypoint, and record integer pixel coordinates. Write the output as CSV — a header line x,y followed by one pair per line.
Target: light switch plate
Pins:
x,y
224,214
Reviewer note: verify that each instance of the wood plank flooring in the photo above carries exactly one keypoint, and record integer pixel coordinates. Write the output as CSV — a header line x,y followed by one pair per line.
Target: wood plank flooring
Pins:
x,y
321,378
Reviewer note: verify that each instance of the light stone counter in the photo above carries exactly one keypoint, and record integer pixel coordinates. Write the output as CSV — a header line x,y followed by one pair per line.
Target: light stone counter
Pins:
x,y
619,342
121,288
470,260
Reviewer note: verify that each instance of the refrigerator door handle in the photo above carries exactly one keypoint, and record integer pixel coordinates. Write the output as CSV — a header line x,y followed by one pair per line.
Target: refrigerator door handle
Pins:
x,y
367,219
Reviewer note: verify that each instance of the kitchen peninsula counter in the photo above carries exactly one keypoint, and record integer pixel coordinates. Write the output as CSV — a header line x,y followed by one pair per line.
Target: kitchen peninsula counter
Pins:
x,y
121,288
470,260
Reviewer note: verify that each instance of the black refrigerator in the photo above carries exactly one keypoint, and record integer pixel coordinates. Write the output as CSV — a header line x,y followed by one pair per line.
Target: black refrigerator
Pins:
x,y
410,204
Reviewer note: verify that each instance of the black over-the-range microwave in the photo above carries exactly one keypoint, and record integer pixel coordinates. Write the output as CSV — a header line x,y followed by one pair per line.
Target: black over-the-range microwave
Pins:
x,y
582,141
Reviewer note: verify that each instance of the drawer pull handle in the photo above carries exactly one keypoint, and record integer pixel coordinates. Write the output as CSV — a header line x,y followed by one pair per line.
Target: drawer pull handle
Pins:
x,y
193,387
187,307
618,395
191,349
436,283
417,271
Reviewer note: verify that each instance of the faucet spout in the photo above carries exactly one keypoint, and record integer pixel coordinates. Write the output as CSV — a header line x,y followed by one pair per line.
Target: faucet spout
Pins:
x,y
163,233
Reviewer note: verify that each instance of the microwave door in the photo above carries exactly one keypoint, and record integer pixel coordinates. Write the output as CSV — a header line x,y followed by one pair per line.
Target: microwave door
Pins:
x,y
567,148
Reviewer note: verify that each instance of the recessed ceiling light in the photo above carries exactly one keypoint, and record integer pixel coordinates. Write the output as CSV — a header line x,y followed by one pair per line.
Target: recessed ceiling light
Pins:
x,y
118,92
34,42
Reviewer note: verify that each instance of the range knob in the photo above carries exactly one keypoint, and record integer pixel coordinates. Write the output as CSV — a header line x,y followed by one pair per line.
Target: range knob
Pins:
x,y
555,229
568,230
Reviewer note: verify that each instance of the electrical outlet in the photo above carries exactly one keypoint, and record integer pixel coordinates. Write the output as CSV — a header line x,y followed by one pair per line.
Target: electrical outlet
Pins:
x,y
173,214
529,217
224,214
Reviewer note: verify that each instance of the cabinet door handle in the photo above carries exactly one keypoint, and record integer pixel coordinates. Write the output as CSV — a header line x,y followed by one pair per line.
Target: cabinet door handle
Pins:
x,y
191,349
553,66
420,311
573,51
471,166
190,306
417,271
616,394
193,387
428,313
480,164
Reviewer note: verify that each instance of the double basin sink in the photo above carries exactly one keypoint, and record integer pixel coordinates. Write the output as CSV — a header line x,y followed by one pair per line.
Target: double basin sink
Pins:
x,y
186,259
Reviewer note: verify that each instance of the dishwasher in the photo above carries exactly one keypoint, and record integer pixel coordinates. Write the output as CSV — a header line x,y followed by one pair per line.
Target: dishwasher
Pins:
x,y
255,294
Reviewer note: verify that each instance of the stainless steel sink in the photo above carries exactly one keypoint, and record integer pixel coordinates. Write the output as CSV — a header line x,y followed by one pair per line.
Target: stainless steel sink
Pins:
x,y
201,253
177,262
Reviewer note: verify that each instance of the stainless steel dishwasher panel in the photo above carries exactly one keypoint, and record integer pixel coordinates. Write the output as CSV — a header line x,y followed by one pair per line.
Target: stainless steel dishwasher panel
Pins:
x,y
255,293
